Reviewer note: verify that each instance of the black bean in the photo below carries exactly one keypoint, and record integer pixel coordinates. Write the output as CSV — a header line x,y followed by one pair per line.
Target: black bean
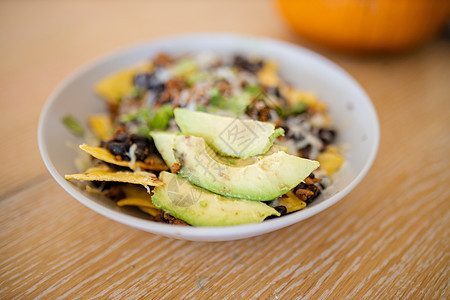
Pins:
x,y
139,139
327,136
140,154
286,129
281,209
306,151
301,185
159,88
274,91
121,143
122,137
148,81
142,80
116,148
243,63
101,185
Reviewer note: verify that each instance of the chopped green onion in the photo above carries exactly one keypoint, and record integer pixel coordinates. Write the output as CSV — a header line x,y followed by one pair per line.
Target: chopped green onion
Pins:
x,y
215,97
184,67
73,125
299,108
235,104
161,119
196,77
140,115
255,90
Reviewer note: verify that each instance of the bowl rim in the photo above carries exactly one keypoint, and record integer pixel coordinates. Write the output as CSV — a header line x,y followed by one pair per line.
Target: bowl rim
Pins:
x,y
222,233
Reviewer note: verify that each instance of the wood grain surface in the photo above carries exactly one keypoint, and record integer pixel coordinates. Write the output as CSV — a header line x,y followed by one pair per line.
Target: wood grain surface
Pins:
x,y
388,239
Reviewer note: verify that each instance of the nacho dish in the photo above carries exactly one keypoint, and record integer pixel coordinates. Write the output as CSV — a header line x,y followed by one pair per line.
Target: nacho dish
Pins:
x,y
206,140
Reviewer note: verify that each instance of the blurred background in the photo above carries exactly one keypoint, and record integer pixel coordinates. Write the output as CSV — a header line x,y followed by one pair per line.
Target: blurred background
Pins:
x,y
367,26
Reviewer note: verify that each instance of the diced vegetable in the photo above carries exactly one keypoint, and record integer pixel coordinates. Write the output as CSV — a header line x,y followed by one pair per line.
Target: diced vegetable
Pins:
x,y
73,125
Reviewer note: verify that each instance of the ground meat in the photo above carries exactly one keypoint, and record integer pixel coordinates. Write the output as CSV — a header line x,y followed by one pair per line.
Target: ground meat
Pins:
x,y
173,88
172,220
264,114
164,98
261,111
175,168
224,87
162,60
309,189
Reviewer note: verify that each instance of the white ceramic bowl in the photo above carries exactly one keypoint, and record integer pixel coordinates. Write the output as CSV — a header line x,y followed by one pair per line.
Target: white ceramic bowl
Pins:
x,y
349,106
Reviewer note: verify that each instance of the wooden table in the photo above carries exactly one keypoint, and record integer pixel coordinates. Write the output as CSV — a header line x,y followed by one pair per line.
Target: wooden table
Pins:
x,y
389,238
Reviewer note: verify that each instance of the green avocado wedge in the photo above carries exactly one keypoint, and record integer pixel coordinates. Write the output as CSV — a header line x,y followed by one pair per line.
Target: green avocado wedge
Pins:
x,y
199,207
242,138
268,178
164,142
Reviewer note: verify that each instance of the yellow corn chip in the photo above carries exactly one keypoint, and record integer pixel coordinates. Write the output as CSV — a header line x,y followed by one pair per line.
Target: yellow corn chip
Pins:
x,y
330,160
294,96
151,211
268,74
101,125
101,153
115,86
136,202
106,174
291,202
134,191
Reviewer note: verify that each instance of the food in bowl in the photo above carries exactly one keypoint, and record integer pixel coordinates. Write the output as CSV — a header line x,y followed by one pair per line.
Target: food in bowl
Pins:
x,y
216,141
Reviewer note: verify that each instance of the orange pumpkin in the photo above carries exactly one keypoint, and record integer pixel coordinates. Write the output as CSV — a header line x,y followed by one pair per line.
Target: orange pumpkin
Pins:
x,y
366,25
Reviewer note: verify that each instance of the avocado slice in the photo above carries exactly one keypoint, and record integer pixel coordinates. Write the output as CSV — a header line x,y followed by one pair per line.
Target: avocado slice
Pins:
x,y
164,142
268,178
199,207
228,136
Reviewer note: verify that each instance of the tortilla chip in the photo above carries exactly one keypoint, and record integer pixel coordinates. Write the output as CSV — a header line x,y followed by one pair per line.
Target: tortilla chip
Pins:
x,y
101,153
135,191
136,202
268,75
101,125
105,174
291,202
115,86
138,196
330,160
151,211
294,96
